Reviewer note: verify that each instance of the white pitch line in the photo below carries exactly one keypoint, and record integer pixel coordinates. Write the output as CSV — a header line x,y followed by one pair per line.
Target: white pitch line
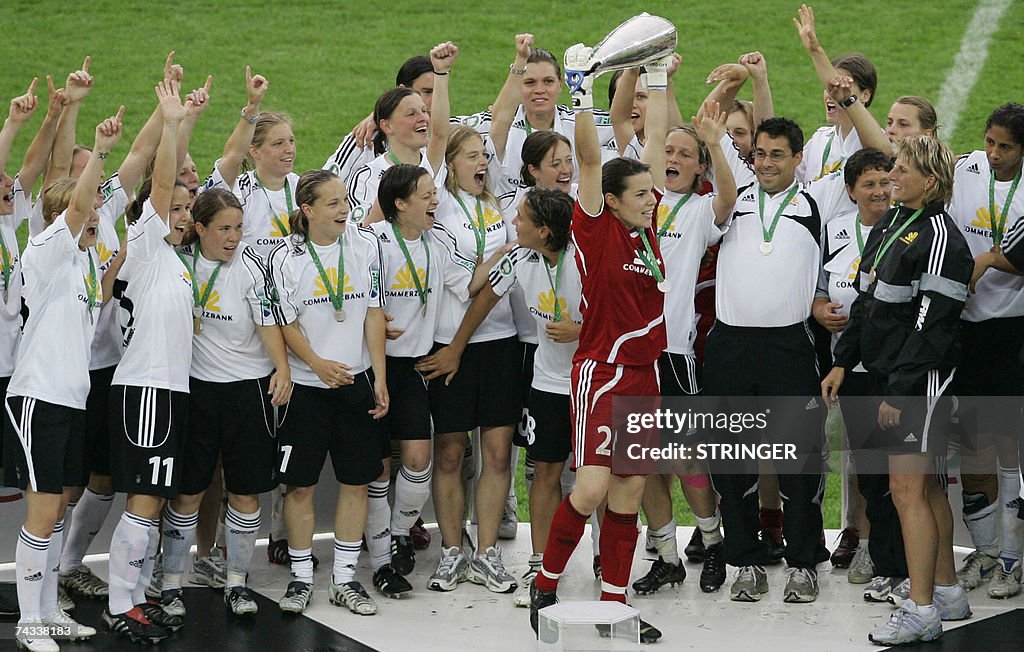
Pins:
x,y
968,63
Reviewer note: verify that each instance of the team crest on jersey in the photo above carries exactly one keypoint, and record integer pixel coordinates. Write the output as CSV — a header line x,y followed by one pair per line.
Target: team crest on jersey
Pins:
x,y
909,238
404,280
472,121
505,266
357,214
546,305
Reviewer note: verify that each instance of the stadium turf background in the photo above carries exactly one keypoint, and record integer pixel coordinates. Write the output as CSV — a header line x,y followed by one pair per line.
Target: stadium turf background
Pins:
x,y
328,61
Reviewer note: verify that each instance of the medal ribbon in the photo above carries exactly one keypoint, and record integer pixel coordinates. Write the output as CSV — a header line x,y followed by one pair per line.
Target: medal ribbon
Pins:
x,y
892,239
556,281
281,226
479,230
769,233
672,216
421,288
337,296
199,301
648,258
998,222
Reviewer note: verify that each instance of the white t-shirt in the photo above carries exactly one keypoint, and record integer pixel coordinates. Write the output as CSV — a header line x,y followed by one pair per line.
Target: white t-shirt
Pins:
x,y
156,309
552,363
454,230
265,212
304,297
683,244
106,344
228,347
363,191
742,173
447,272
998,294
348,159
837,280
11,285
53,359
826,152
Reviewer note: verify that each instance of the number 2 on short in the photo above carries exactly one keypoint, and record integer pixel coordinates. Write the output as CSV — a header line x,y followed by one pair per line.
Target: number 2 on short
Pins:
x,y
603,449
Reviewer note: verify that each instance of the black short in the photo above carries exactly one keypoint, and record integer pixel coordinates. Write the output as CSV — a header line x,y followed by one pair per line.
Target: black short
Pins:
x,y
680,374
483,391
924,419
409,412
235,422
97,424
519,437
988,372
146,439
336,420
44,444
548,427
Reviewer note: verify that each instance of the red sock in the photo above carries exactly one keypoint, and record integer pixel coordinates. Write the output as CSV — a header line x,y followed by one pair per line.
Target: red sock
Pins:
x,y
618,542
566,531
770,519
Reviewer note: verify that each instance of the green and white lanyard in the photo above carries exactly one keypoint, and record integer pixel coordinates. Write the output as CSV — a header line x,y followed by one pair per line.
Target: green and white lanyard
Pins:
x,y
337,295
421,288
7,260
555,282
860,237
91,286
647,256
769,232
998,222
198,301
885,248
828,150
281,226
390,156
672,216
479,230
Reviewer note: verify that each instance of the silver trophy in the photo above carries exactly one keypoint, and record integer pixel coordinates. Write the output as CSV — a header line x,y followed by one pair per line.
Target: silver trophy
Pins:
x,y
640,40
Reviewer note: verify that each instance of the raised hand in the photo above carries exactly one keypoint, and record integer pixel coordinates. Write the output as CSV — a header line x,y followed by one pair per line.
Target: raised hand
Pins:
x,y
200,99
172,71
443,55
170,102
108,132
673,68
58,98
657,71
23,106
710,122
578,66
734,73
805,27
523,44
255,86
755,64
840,88
79,83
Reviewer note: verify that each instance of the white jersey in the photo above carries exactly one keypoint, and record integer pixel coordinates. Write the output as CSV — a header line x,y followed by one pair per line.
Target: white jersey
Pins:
x,y
564,123
830,193
11,280
453,229
304,297
683,243
447,271
265,212
840,257
742,173
228,347
998,293
106,343
53,359
365,182
348,159
526,268
758,290
156,309
826,151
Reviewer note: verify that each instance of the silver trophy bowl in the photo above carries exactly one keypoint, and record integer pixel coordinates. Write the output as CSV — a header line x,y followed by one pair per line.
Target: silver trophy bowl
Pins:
x,y
640,40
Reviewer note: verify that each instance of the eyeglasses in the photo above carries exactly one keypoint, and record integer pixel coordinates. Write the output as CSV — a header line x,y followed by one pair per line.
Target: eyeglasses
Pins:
x,y
774,157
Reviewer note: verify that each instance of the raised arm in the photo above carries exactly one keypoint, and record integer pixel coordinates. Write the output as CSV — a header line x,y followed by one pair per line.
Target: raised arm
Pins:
x,y
22,108
656,123
710,125
808,36
238,143
503,111
442,56
757,68
83,198
730,78
871,134
588,147
621,108
38,153
165,169
675,116
77,88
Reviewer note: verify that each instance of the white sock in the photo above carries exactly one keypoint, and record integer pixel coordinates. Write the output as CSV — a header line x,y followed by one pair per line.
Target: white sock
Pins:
x,y
710,528
412,489
983,526
946,589
277,529
127,555
927,610
529,469
568,480
664,540
863,544
48,599
179,535
595,533
240,534
220,538
536,560
68,513
146,574
514,461
89,515
1013,527
302,564
346,556
378,524
30,559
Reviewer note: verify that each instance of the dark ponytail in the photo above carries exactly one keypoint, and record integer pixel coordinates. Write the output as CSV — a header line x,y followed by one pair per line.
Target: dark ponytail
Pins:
x,y
383,110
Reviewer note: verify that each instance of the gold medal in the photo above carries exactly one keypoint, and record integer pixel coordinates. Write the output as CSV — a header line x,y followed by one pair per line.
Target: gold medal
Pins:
x,y
197,325
871,276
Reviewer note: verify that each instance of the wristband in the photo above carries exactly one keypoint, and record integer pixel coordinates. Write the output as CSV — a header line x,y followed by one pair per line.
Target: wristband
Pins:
x,y
251,119
848,102
440,73
102,155
516,71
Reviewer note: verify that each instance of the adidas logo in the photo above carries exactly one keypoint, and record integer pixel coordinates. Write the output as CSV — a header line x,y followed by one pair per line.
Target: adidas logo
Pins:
x,y
385,533
384,237
748,197
135,563
812,404
910,439
174,534
409,514
843,235
973,168
35,577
